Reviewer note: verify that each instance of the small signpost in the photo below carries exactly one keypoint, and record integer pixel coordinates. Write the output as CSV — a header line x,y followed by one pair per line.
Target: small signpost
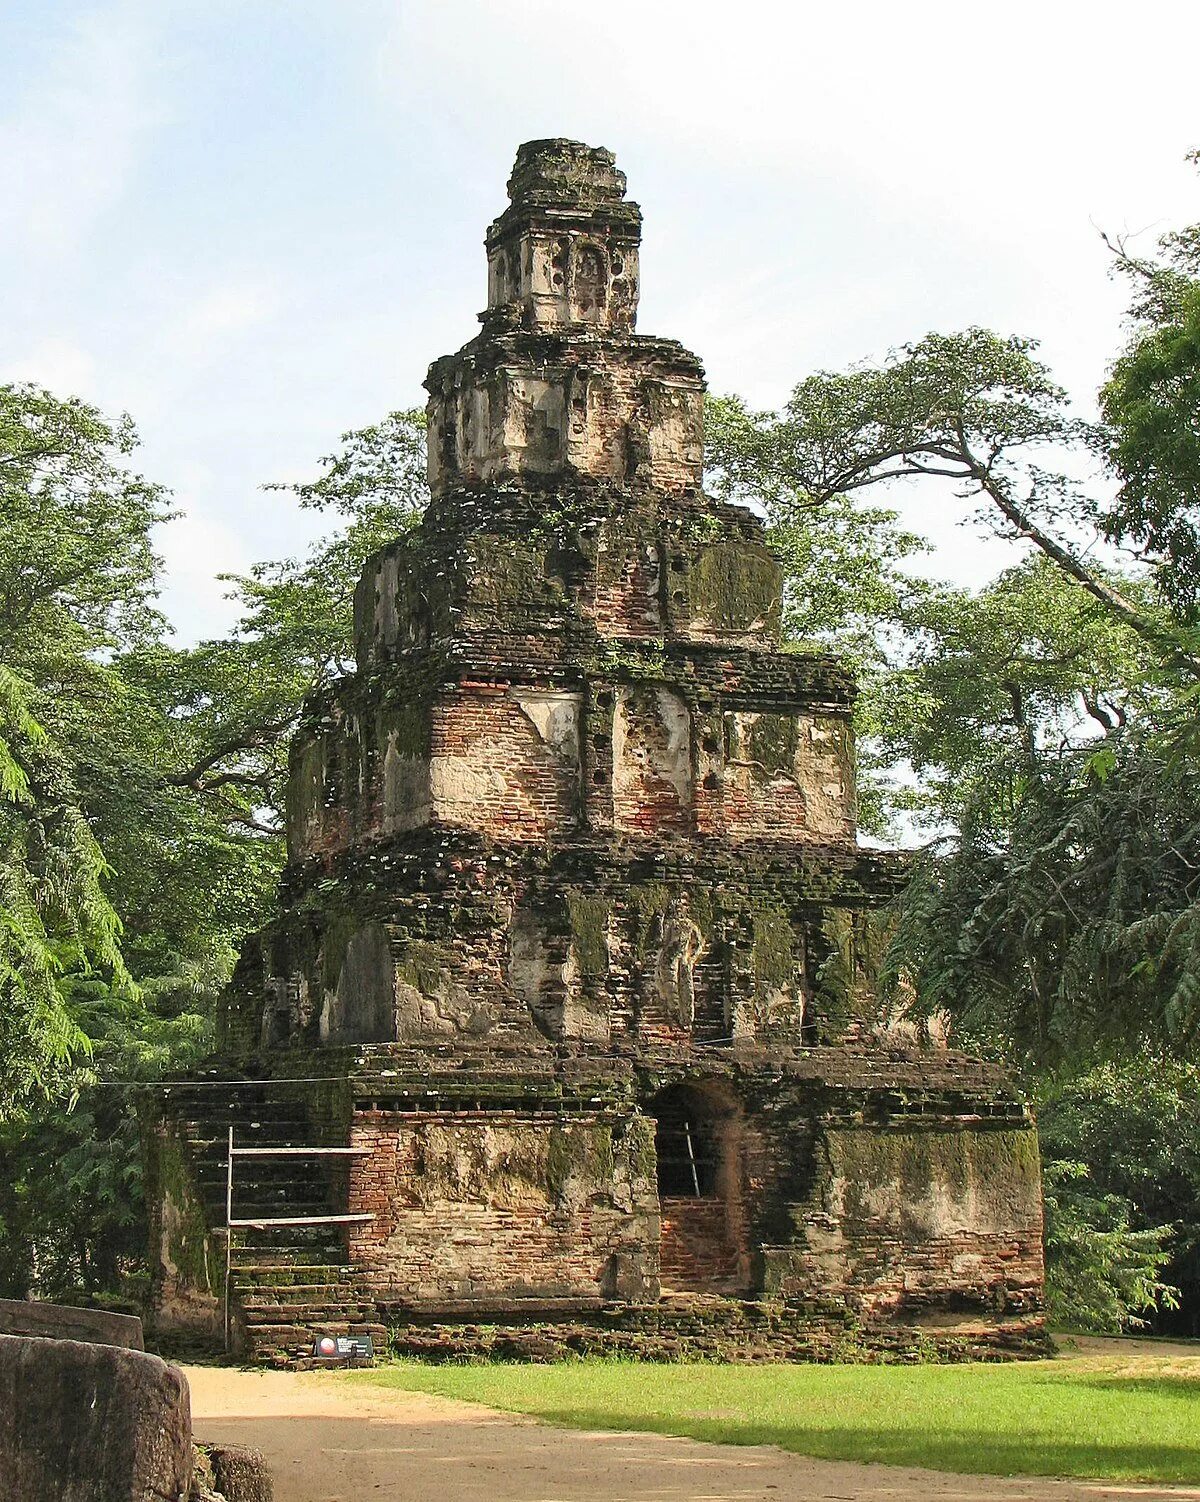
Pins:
x,y
348,1348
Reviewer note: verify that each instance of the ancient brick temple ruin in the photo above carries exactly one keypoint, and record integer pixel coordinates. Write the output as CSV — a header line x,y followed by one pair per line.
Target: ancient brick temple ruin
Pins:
x,y
570,957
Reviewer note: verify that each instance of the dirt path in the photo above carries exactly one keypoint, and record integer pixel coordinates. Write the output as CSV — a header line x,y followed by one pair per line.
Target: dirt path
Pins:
x,y
328,1441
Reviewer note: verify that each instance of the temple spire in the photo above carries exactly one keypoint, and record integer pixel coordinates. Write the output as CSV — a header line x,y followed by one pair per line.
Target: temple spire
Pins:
x,y
565,251
557,386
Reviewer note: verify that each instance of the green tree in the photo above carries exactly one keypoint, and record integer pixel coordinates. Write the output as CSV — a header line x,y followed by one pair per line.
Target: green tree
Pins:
x,y
1073,933
975,413
140,793
237,700
1151,409
984,687
76,587
1131,1128
1102,1273
1042,730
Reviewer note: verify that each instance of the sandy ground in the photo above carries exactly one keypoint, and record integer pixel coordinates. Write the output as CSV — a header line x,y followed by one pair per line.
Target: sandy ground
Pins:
x,y
327,1441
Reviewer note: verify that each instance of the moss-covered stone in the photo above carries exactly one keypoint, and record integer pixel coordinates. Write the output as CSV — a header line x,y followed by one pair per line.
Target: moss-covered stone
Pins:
x,y
189,1261
773,953
772,741
648,904
735,586
589,920
422,966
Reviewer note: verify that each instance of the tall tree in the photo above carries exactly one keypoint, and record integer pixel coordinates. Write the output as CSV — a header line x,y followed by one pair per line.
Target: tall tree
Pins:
x,y
1151,408
238,699
76,587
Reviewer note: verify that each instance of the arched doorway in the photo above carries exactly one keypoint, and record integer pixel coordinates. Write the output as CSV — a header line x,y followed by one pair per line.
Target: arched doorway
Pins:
x,y
698,1190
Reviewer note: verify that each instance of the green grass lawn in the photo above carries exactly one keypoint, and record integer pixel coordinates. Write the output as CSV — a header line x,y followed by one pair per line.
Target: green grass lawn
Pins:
x,y
1112,1417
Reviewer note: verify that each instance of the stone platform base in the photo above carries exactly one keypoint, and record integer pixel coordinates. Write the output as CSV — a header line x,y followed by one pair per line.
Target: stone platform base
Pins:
x,y
707,1329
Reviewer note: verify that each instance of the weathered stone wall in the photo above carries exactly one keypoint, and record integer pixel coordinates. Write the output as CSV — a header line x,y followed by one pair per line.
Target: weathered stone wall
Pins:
x,y
514,407
863,1193
578,821
566,250
91,1423
734,1330
509,760
901,1221
492,1206
455,938
554,578
187,1261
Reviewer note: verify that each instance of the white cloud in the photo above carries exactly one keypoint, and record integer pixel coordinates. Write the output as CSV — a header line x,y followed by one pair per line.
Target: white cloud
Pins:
x,y
196,546
222,314
58,364
70,139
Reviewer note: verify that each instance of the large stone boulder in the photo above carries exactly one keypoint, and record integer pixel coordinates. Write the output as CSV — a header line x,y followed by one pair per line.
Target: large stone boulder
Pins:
x,y
97,1327
230,1473
91,1423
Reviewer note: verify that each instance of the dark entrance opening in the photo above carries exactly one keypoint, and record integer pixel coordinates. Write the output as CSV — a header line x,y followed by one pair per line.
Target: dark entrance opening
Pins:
x,y
697,1191
686,1142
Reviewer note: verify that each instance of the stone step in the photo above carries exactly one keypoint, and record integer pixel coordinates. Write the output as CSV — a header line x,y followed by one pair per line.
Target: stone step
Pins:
x,y
277,1269
299,1292
288,1239
288,1283
267,1265
311,1316
296,1341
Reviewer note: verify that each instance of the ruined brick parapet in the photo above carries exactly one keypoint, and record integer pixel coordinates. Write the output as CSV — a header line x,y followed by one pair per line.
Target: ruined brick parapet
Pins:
x,y
515,406
578,568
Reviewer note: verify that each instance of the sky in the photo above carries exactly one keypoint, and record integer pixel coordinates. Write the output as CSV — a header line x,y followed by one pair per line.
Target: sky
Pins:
x,y
252,224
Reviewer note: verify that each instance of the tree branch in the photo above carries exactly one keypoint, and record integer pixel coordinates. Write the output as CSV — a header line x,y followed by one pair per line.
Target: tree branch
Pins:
x,y
254,739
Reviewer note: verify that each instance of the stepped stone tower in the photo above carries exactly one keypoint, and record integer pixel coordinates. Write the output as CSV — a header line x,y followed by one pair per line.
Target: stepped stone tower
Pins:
x,y
571,951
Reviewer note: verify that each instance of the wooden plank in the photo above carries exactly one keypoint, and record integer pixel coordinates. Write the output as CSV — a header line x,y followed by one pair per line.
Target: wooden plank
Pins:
x,y
298,1220
301,1152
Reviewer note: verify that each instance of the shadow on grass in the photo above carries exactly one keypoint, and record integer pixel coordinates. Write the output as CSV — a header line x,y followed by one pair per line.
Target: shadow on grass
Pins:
x,y
1160,1384
938,1450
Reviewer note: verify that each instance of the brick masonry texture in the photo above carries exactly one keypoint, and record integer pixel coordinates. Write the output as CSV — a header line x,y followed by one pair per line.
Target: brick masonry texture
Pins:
x,y
571,948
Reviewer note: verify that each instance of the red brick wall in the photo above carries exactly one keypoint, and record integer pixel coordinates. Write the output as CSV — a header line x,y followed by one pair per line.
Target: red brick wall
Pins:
x,y
698,1252
494,773
495,1206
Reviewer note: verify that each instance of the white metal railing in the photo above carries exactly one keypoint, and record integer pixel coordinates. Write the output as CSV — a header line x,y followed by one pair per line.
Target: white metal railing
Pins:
x,y
266,1222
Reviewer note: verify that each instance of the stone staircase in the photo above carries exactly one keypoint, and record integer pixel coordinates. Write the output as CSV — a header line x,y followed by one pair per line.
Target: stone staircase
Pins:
x,y
287,1283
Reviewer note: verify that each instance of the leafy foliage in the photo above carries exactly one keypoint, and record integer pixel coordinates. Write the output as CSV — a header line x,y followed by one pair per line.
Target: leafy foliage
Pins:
x,y
72,1217
139,794
76,584
1151,407
238,699
1133,1126
983,687
1101,1274
1074,934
